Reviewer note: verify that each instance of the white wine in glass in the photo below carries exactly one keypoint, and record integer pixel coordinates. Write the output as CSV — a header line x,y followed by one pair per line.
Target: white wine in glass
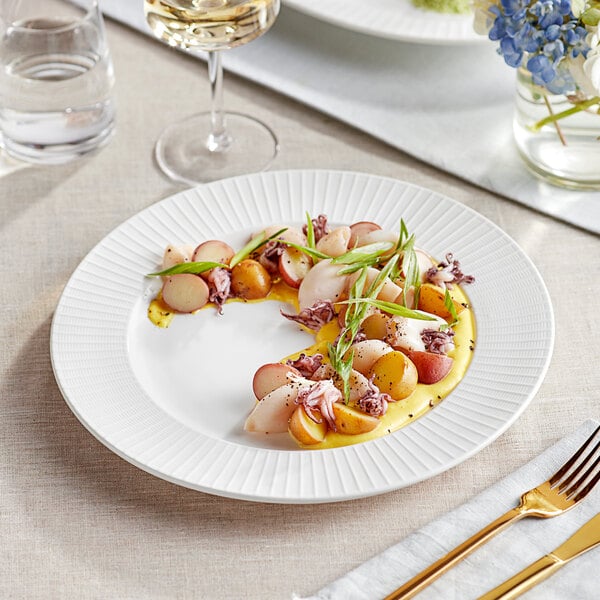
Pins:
x,y
213,144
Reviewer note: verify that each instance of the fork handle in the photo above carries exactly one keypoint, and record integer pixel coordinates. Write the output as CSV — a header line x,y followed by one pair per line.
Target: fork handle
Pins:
x,y
438,568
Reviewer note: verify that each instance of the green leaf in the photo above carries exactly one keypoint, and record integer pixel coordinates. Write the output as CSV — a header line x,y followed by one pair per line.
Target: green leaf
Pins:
x,y
449,304
356,267
384,274
189,267
410,266
403,235
310,232
363,253
254,244
307,250
392,308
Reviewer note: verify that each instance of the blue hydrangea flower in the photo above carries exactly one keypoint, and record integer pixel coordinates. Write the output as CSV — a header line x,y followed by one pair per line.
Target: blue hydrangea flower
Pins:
x,y
539,34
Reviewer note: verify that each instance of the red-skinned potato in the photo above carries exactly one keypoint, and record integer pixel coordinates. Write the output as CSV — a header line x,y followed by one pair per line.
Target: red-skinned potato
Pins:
x,y
293,266
270,376
357,230
213,251
175,255
185,292
431,367
272,413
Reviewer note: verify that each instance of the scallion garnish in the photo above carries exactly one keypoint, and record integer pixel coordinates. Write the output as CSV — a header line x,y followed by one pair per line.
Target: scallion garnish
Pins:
x,y
392,308
188,267
254,244
306,249
370,252
449,304
310,232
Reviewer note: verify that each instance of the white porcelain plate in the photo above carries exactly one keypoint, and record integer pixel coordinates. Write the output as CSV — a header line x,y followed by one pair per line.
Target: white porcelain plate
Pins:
x,y
173,401
392,19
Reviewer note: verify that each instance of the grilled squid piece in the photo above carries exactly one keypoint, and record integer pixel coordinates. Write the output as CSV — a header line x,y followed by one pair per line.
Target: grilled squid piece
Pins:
x,y
407,334
447,272
315,316
321,396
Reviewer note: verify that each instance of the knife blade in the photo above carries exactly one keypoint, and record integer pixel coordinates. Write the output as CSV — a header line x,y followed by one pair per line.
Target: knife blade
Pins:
x,y
584,539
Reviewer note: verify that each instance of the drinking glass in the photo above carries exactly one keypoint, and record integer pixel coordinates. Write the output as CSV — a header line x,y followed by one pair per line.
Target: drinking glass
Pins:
x,y
214,144
56,80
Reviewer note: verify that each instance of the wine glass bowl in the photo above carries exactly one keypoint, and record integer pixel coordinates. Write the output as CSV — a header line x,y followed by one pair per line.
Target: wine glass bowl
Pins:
x,y
213,144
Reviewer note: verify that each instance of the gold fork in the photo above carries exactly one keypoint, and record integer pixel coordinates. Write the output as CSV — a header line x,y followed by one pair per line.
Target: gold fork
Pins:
x,y
566,488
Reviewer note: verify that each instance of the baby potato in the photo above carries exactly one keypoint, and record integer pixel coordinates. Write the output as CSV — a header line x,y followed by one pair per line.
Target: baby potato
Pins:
x,y
432,299
395,374
304,430
352,421
250,280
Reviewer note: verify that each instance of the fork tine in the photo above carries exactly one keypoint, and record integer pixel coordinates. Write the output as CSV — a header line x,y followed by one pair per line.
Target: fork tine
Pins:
x,y
567,482
567,466
589,486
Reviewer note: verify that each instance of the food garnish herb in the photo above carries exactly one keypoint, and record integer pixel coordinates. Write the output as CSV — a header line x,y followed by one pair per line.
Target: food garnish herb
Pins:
x,y
358,305
189,267
252,246
310,232
449,304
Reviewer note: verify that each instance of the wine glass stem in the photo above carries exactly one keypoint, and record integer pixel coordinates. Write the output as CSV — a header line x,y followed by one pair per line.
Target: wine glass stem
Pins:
x,y
218,139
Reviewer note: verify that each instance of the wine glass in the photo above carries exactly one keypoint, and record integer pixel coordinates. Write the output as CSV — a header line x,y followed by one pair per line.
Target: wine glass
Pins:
x,y
200,148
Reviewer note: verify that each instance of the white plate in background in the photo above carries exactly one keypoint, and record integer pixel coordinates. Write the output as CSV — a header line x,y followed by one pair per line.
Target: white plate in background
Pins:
x,y
392,19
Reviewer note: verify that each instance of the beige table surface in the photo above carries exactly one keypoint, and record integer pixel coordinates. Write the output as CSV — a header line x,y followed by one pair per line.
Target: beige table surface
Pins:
x,y
76,521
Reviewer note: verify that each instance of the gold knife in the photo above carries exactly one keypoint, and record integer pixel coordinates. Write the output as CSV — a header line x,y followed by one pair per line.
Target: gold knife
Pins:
x,y
581,541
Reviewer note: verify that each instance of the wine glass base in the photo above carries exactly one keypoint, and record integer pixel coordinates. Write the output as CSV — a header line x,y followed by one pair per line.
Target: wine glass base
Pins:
x,y
185,153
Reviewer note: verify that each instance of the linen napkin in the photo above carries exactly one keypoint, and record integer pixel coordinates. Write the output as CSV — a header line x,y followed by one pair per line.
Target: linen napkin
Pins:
x,y
506,554
450,106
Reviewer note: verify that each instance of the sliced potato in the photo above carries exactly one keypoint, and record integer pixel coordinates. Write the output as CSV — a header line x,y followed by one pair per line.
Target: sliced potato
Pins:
x,y
270,376
304,430
352,421
432,300
175,255
359,229
272,413
213,251
185,292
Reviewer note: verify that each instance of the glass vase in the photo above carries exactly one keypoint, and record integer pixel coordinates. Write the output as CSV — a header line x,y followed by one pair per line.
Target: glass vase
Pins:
x,y
558,136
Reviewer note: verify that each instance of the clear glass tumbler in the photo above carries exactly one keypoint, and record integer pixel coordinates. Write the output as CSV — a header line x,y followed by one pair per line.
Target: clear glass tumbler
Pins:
x,y
56,80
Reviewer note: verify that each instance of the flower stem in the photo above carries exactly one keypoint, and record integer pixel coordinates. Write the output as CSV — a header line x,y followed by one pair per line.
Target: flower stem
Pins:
x,y
561,137
552,118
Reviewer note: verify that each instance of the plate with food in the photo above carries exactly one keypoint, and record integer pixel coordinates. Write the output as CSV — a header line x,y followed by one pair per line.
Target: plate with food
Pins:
x,y
302,336
419,21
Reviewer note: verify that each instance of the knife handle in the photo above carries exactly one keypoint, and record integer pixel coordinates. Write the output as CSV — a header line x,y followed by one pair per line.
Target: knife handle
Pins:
x,y
526,579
